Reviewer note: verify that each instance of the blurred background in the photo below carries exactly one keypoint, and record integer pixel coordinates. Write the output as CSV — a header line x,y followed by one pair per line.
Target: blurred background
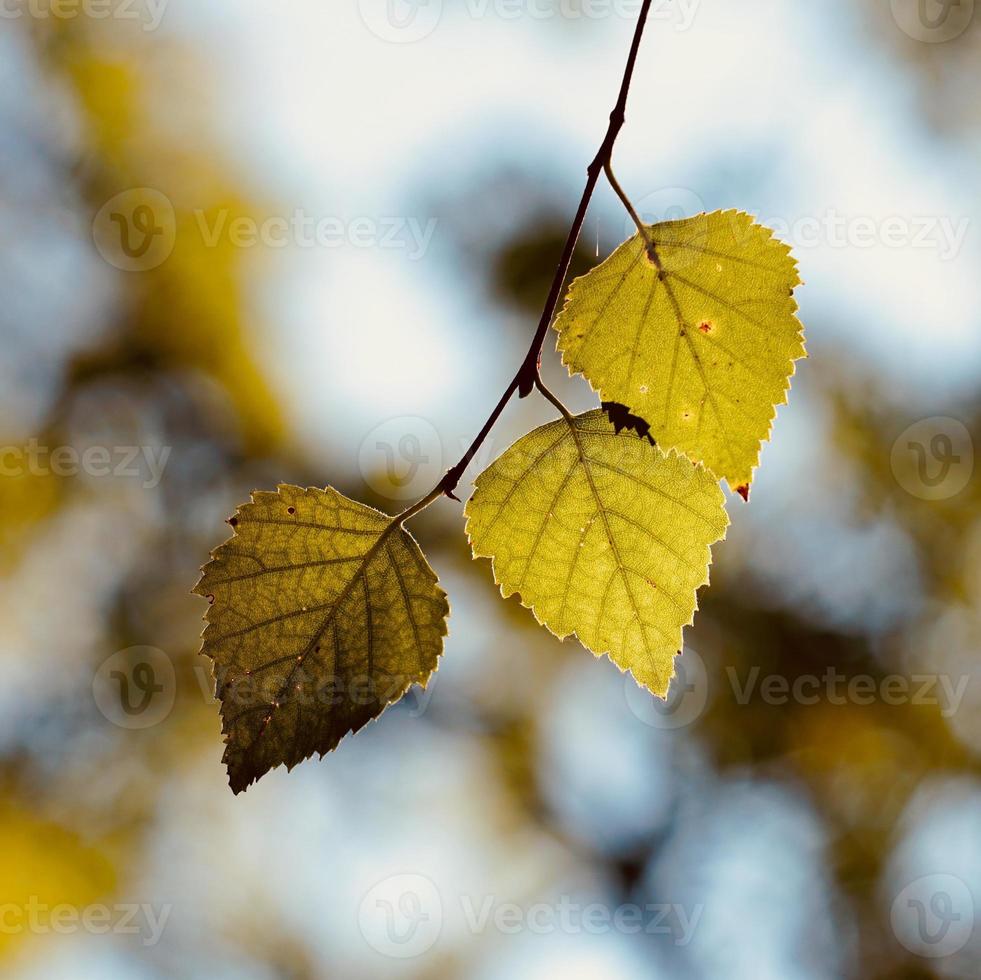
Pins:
x,y
246,243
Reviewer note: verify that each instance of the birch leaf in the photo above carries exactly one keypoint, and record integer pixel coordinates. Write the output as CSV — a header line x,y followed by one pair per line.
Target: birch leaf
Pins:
x,y
699,339
601,535
323,612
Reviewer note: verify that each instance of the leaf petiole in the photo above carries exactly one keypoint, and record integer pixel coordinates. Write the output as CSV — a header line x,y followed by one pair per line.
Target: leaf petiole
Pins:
x,y
528,376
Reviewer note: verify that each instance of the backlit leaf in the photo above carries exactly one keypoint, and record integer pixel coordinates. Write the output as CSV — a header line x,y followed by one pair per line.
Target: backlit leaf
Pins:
x,y
324,611
699,340
602,535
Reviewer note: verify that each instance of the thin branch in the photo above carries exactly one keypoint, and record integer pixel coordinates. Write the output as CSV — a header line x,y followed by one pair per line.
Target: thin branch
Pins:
x,y
625,201
530,369
420,505
528,375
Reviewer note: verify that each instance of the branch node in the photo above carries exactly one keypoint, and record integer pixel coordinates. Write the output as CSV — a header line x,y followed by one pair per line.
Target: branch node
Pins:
x,y
529,374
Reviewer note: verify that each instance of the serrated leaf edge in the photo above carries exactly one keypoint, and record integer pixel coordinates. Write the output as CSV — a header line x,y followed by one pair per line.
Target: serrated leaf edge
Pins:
x,y
671,454
423,680
772,241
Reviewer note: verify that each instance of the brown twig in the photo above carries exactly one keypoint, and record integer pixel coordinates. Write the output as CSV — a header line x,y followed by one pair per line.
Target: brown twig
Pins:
x,y
528,376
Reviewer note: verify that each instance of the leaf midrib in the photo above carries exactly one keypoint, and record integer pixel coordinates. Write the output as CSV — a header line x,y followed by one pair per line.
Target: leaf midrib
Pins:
x,y
335,606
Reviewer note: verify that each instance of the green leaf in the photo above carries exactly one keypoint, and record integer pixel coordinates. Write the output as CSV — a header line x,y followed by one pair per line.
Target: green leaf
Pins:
x,y
603,536
699,340
324,611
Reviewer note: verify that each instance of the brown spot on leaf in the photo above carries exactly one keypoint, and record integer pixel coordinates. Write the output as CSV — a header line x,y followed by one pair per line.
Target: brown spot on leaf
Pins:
x,y
706,326
743,492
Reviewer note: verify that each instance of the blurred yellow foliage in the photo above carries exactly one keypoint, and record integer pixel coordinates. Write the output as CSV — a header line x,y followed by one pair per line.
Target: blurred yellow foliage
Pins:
x,y
43,865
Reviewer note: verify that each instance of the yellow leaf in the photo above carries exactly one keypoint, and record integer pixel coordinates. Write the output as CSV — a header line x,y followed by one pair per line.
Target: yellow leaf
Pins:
x,y
603,536
699,339
324,611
